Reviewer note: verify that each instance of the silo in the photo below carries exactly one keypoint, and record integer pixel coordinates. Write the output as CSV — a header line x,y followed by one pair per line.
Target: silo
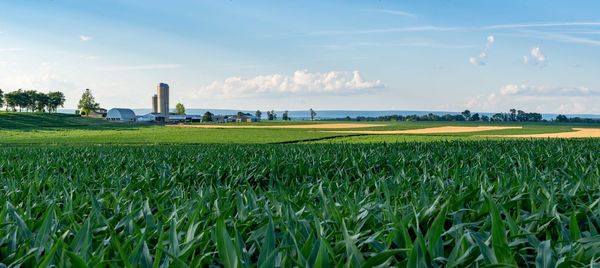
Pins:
x,y
163,100
155,104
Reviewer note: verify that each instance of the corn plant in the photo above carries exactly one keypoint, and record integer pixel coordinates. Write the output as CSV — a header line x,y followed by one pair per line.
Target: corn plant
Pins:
x,y
438,204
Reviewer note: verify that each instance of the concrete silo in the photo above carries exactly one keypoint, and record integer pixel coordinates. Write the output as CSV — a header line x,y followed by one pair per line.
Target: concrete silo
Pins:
x,y
155,104
163,100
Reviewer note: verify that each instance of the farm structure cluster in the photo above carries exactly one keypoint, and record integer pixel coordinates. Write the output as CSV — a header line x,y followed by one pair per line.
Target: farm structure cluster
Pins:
x,y
160,112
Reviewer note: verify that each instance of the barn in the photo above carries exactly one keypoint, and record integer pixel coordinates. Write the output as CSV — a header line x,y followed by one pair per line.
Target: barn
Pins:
x,y
120,115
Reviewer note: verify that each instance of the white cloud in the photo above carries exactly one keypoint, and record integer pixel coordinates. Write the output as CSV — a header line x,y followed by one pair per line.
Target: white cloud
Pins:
x,y
11,49
532,90
538,98
85,38
142,67
301,82
396,12
480,59
537,58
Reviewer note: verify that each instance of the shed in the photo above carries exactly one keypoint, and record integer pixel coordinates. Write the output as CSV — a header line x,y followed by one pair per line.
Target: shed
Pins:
x,y
121,115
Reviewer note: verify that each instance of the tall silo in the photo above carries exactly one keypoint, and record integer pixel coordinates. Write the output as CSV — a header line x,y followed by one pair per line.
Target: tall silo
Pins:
x,y
163,100
155,104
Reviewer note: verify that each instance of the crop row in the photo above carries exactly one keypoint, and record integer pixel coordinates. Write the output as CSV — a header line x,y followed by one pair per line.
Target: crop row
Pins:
x,y
451,204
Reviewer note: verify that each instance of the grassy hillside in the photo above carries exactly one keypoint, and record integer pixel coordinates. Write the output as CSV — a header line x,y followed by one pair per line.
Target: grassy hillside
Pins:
x,y
47,120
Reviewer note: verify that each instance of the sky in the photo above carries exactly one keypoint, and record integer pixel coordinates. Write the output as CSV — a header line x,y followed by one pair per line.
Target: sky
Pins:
x,y
486,56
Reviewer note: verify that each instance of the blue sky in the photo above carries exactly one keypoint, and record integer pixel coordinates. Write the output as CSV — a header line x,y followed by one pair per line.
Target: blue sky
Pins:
x,y
355,55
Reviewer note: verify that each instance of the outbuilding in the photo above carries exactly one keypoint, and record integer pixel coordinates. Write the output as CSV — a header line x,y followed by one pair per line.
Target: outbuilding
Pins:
x,y
120,115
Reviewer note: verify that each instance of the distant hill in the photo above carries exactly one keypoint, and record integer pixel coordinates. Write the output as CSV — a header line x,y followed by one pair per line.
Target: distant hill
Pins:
x,y
47,120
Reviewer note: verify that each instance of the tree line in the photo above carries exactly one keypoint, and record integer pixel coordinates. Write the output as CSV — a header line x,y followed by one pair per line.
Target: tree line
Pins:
x,y
31,101
512,116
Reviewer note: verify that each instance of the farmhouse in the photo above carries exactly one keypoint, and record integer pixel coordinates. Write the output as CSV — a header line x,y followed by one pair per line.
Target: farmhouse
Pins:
x,y
121,115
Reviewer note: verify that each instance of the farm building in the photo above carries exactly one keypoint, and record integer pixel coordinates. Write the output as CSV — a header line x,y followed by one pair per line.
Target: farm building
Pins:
x,y
120,115
245,119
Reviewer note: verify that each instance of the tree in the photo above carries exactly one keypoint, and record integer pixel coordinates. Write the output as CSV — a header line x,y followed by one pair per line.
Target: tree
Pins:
x,y
207,117
40,101
466,114
485,118
11,100
312,114
87,103
475,117
56,99
20,99
274,115
179,109
513,115
285,116
562,118
258,114
1,98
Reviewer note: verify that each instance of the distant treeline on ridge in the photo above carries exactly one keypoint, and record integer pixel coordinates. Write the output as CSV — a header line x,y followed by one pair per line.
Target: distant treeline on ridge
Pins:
x,y
512,116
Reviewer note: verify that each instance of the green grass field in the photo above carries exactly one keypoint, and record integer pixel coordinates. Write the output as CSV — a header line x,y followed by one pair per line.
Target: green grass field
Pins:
x,y
23,129
80,192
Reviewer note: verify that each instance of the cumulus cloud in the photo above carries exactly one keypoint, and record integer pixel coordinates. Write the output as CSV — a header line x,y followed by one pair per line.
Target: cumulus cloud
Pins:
x,y
85,38
537,58
538,98
483,55
301,82
532,90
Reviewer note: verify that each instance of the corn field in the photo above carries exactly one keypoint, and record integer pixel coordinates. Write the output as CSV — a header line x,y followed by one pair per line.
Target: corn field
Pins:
x,y
439,204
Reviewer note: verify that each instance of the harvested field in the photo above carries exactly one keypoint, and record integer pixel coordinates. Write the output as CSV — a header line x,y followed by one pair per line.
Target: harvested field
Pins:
x,y
576,133
300,126
433,130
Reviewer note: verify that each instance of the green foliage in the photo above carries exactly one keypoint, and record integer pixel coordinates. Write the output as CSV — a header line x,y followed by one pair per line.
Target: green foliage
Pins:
x,y
207,117
438,204
32,100
87,103
179,109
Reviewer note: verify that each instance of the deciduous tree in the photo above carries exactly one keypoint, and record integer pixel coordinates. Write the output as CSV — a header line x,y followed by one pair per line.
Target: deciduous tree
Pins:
x,y
87,103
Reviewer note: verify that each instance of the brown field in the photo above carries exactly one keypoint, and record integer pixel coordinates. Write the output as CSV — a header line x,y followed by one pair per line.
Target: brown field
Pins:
x,y
577,133
303,126
432,130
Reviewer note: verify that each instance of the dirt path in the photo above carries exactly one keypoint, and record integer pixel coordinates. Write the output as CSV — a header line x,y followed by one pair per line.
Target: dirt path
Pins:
x,y
300,126
432,130
577,133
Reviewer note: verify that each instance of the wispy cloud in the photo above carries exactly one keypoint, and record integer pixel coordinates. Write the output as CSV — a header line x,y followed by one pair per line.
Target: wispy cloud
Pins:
x,y
426,28
536,90
424,44
539,25
11,49
396,12
301,82
142,67
562,38
85,38
434,28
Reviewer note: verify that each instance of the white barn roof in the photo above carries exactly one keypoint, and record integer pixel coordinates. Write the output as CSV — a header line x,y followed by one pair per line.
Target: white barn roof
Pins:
x,y
120,114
